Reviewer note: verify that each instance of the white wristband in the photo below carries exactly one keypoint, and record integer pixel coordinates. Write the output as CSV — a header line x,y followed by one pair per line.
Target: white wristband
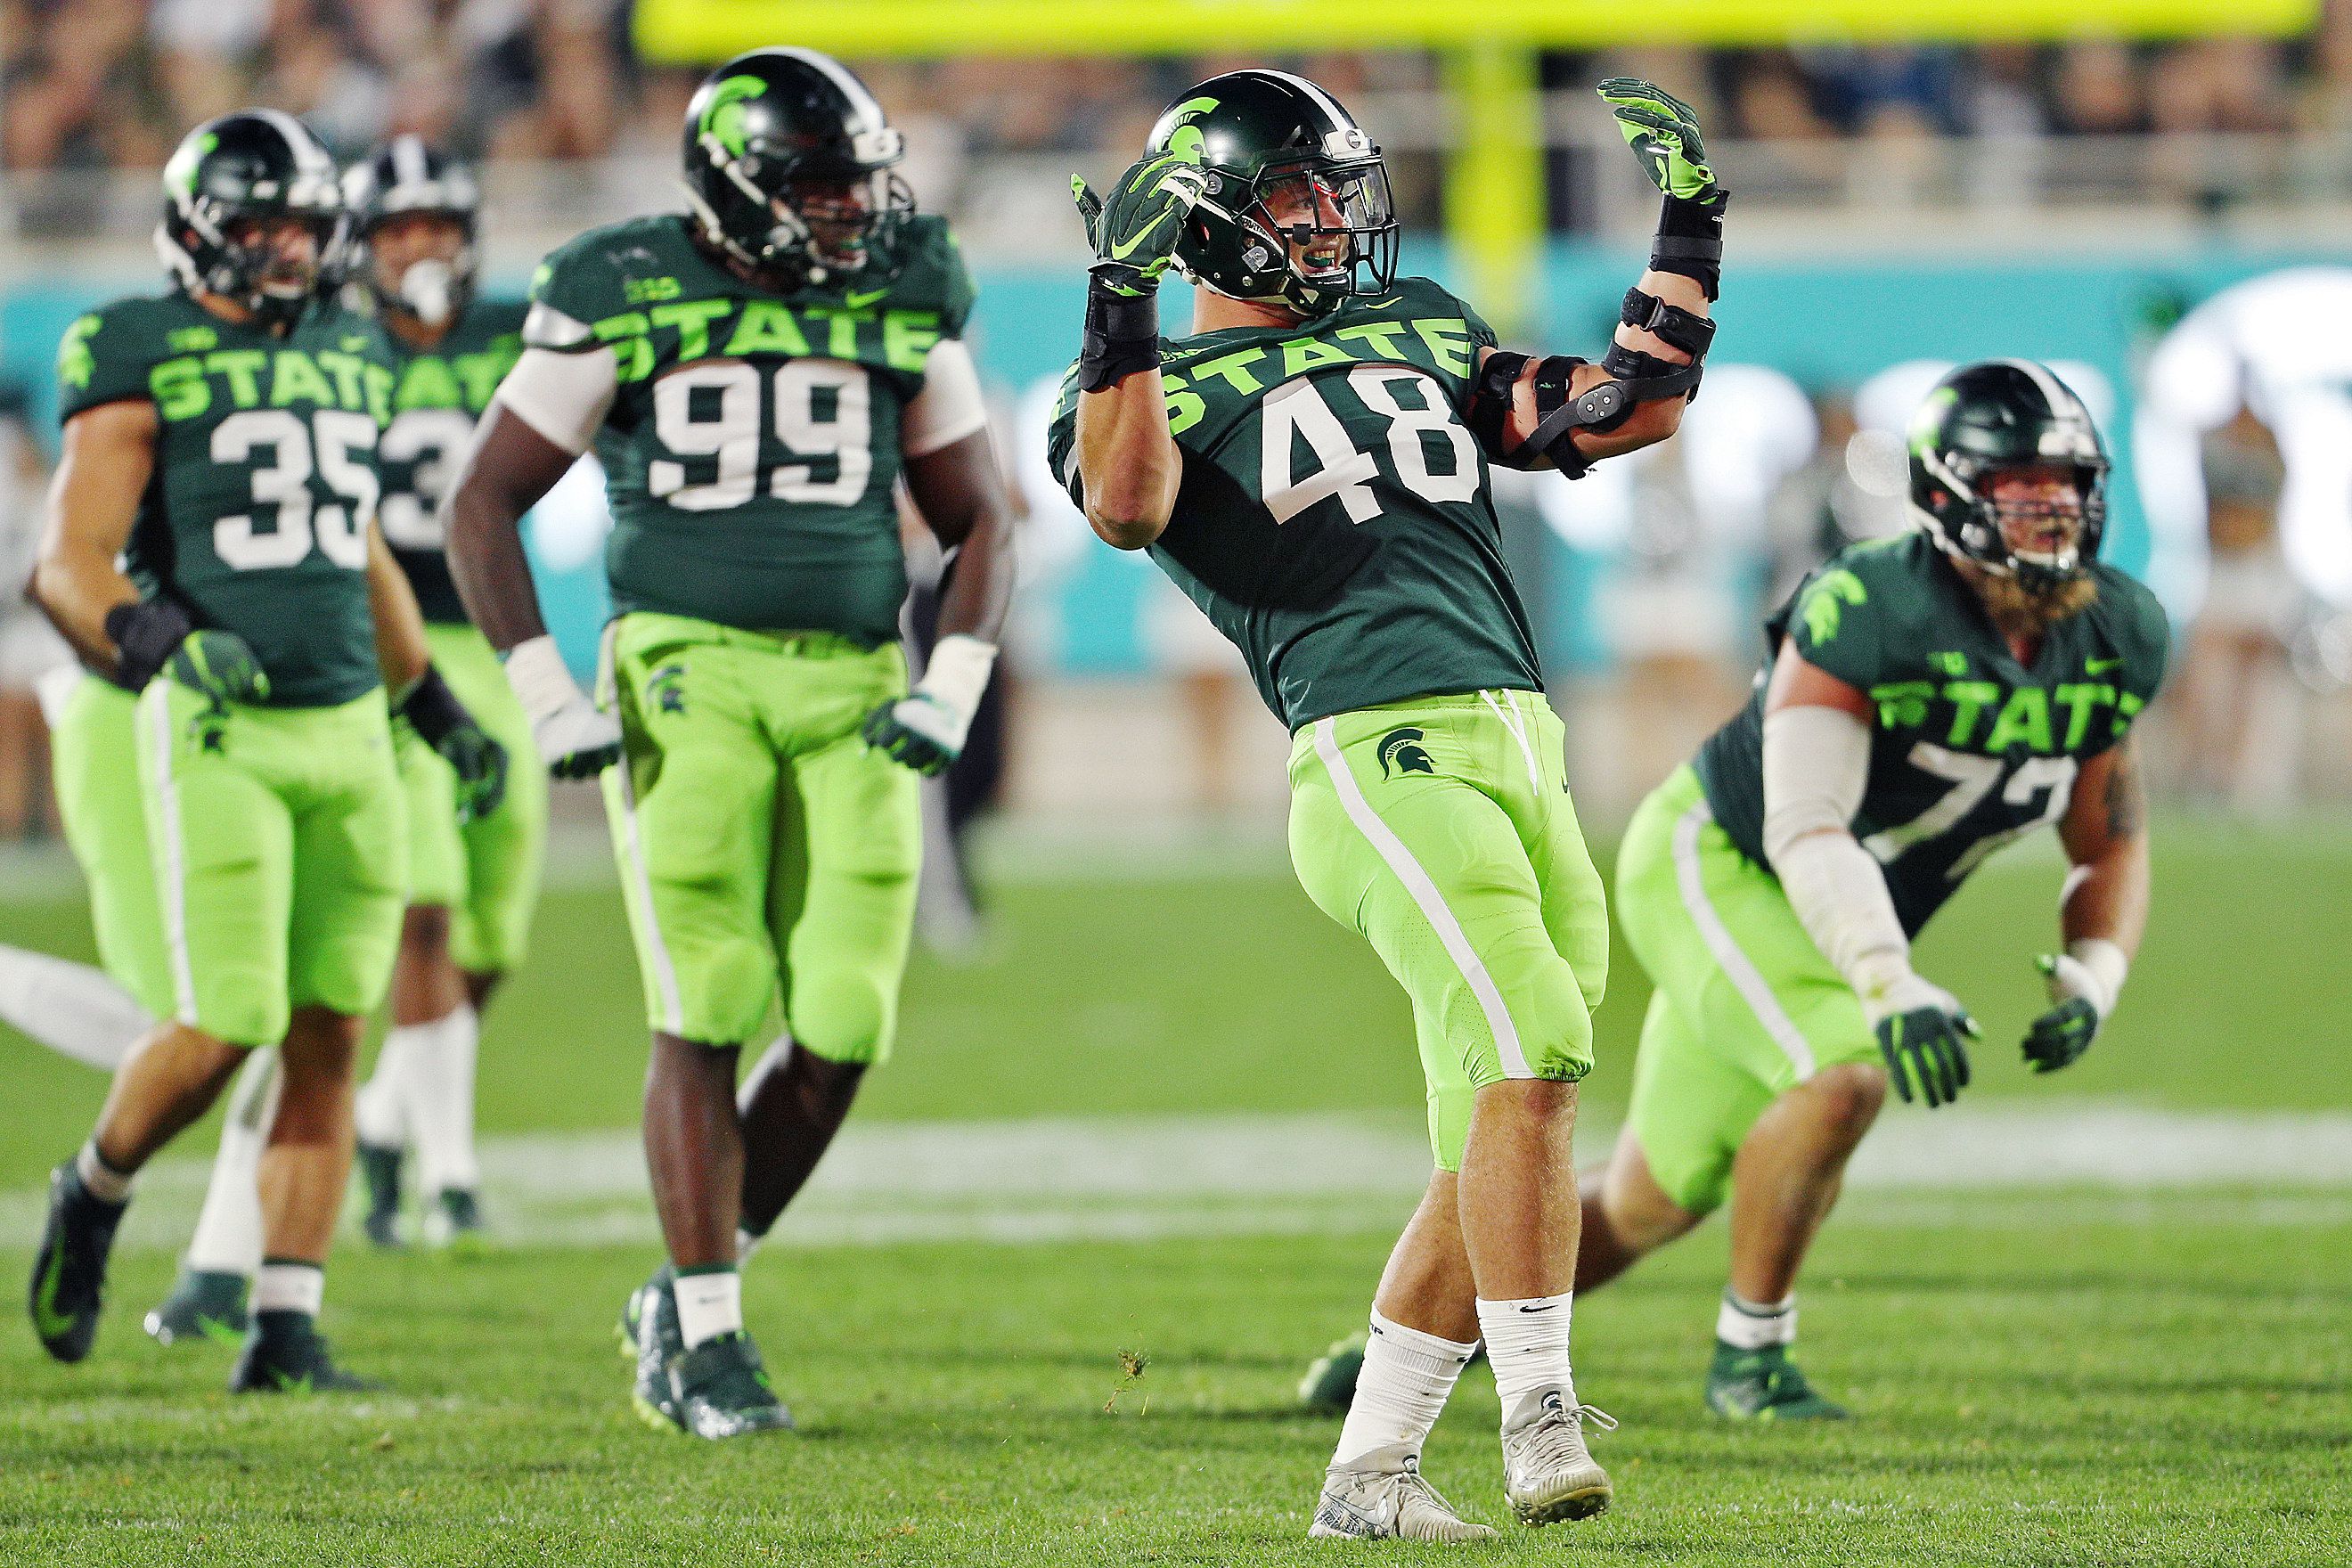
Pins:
x,y
541,681
2104,965
957,675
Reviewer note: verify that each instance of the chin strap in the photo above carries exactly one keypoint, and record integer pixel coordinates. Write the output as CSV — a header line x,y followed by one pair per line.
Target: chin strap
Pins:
x,y
1635,378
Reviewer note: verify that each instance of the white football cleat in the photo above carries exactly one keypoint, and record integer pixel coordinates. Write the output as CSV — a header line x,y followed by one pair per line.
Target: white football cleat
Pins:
x,y
1381,1496
1548,1474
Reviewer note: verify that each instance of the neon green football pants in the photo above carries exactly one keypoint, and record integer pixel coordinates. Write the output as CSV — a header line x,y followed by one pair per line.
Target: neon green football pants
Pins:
x,y
485,872
278,837
766,851
1745,1004
1441,829
94,761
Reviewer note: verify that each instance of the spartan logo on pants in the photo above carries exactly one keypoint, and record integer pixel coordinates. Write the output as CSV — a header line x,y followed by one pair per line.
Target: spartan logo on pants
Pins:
x,y
1402,749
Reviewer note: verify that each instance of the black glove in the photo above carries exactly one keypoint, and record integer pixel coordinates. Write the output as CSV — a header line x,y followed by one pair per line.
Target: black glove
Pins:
x,y
442,722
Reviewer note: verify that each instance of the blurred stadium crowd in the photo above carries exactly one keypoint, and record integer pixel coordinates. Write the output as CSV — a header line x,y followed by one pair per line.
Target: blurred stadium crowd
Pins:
x,y
100,84
575,127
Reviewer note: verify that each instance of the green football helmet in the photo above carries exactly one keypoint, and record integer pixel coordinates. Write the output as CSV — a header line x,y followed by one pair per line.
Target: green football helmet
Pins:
x,y
254,164
1997,415
789,168
1296,207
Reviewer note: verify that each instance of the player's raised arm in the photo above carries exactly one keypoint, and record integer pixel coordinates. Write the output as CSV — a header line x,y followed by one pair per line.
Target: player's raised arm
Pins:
x,y
1130,463
546,412
952,476
108,457
1817,733
1560,412
2103,912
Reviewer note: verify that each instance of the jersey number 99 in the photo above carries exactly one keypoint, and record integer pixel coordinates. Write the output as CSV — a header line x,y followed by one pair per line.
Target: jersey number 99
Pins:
x,y
730,422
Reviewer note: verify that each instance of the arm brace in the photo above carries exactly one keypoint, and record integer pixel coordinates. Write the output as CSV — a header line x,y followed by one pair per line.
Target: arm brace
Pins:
x,y
1816,764
1635,378
1122,335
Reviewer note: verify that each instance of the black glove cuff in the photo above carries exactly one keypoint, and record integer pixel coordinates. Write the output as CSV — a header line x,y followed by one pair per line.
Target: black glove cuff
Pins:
x,y
1690,239
145,632
432,710
1122,335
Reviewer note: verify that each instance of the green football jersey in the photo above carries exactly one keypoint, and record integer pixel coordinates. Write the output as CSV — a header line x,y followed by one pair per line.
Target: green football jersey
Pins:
x,y
1333,519
255,520
1969,750
436,395
751,451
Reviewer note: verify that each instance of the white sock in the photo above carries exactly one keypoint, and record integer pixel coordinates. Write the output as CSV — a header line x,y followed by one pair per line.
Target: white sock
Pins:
x,y
75,1010
101,1180
710,1303
381,1110
227,1239
1750,1325
441,1101
1527,1340
746,1243
1407,1375
285,1285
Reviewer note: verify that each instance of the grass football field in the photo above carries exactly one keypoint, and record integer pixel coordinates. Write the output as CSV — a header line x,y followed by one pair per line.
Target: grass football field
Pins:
x,y
1127,1173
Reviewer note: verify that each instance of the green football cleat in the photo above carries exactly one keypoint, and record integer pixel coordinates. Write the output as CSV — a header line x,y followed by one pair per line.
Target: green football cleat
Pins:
x,y
69,1286
380,1173
1329,1384
204,1305
722,1390
650,1338
285,1354
1763,1385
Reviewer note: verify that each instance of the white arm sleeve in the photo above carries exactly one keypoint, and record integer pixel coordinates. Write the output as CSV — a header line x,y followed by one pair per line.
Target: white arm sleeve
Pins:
x,y
563,396
949,407
1816,764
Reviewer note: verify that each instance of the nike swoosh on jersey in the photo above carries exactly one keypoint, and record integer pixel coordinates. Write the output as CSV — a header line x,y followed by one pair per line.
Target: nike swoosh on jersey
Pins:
x,y
859,301
2100,665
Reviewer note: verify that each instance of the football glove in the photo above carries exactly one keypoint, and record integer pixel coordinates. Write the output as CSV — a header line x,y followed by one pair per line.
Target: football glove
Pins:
x,y
2082,1001
220,666
1134,232
575,739
1922,1033
926,729
1663,130
442,722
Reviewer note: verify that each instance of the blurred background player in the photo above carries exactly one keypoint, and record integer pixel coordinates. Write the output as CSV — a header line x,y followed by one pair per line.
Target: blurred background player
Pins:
x,y
218,444
414,218
1930,699
29,648
1366,588
757,373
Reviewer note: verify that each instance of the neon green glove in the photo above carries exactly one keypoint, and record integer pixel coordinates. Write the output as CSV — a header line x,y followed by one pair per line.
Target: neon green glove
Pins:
x,y
219,665
1134,232
1663,130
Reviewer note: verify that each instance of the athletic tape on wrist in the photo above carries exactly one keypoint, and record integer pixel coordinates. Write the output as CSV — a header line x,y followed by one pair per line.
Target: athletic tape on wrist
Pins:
x,y
541,682
957,677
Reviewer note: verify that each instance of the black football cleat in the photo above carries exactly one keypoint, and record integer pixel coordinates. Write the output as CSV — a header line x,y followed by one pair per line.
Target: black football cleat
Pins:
x,y
69,1286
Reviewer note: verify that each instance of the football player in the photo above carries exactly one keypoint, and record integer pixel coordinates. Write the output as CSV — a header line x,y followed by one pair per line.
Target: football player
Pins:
x,y
756,374
411,216
1929,698
1311,464
219,443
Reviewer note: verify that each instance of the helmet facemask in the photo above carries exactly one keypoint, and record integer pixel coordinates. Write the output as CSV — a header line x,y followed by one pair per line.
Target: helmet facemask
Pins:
x,y
2021,537
234,250
1312,233
796,219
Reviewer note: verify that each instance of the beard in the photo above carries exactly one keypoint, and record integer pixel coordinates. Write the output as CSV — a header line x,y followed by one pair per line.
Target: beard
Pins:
x,y
2017,607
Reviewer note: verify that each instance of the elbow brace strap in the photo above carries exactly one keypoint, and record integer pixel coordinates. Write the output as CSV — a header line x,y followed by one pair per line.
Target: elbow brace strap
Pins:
x,y
1691,333
1557,416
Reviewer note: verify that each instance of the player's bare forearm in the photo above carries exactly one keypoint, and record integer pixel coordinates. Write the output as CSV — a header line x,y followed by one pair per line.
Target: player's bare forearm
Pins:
x,y
1129,462
964,502
400,651
511,466
93,501
2104,832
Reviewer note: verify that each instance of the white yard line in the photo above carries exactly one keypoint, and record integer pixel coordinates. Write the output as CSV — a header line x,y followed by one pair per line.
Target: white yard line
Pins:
x,y
1130,1179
